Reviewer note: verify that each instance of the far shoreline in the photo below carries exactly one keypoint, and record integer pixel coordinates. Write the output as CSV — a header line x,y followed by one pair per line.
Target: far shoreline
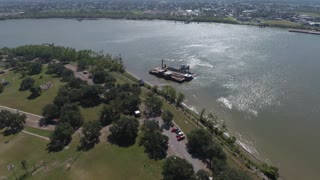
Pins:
x,y
174,19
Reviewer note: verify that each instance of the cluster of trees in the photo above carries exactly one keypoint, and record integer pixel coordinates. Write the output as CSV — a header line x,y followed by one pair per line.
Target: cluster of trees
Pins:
x,y
170,94
60,71
124,131
21,56
91,133
12,123
154,142
201,144
28,67
178,168
153,104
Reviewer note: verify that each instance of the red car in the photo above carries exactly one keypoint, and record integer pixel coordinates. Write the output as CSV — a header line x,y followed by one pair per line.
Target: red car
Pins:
x,y
180,138
174,129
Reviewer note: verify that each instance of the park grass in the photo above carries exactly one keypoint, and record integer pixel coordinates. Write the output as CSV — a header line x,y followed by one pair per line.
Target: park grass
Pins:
x,y
312,14
16,99
104,161
40,132
281,23
91,113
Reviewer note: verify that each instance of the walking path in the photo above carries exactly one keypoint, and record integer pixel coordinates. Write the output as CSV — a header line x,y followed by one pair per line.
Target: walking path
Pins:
x,y
33,134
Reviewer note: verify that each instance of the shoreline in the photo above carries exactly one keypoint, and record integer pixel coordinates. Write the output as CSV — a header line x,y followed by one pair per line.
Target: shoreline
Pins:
x,y
219,20
241,145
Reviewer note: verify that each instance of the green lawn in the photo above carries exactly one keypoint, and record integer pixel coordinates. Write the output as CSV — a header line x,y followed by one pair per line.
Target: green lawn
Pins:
x,y
104,161
14,98
281,23
91,114
40,132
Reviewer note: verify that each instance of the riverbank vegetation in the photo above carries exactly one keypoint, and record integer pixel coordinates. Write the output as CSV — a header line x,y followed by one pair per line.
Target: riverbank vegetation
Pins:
x,y
137,15
117,122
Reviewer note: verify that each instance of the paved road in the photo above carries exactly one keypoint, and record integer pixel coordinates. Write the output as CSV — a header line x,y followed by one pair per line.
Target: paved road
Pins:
x,y
79,74
32,120
178,148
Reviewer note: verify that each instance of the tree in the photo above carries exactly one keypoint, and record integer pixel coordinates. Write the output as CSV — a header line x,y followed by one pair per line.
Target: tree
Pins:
x,y
1,87
60,137
128,103
55,69
124,131
231,173
24,165
177,168
153,105
151,126
108,115
198,142
99,77
67,75
35,68
155,144
26,83
167,116
82,65
201,118
201,144
217,166
270,171
109,81
169,93
13,123
50,111
202,175
73,117
91,96
180,98
35,91
91,133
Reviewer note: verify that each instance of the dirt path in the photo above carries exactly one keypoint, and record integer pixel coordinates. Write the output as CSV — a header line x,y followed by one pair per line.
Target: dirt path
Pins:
x,y
32,120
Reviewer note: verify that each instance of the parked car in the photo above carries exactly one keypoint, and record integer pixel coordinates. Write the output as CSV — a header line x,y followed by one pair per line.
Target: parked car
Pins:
x,y
180,138
174,129
180,134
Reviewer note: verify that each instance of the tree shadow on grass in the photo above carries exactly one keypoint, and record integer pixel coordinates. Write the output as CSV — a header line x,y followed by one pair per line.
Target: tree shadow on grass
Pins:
x,y
31,97
86,146
120,143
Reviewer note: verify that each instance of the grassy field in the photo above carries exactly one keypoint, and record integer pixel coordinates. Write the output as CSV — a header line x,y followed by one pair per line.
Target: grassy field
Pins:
x,y
281,23
14,98
92,113
105,160
40,132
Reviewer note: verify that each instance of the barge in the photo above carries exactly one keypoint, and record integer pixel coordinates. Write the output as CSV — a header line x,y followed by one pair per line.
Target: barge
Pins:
x,y
305,31
180,75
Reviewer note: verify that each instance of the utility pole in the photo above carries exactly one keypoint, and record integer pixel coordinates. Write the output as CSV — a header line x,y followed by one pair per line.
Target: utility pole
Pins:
x,y
10,167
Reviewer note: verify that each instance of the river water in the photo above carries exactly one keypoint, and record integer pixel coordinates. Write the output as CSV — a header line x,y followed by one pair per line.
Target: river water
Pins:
x,y
264,83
